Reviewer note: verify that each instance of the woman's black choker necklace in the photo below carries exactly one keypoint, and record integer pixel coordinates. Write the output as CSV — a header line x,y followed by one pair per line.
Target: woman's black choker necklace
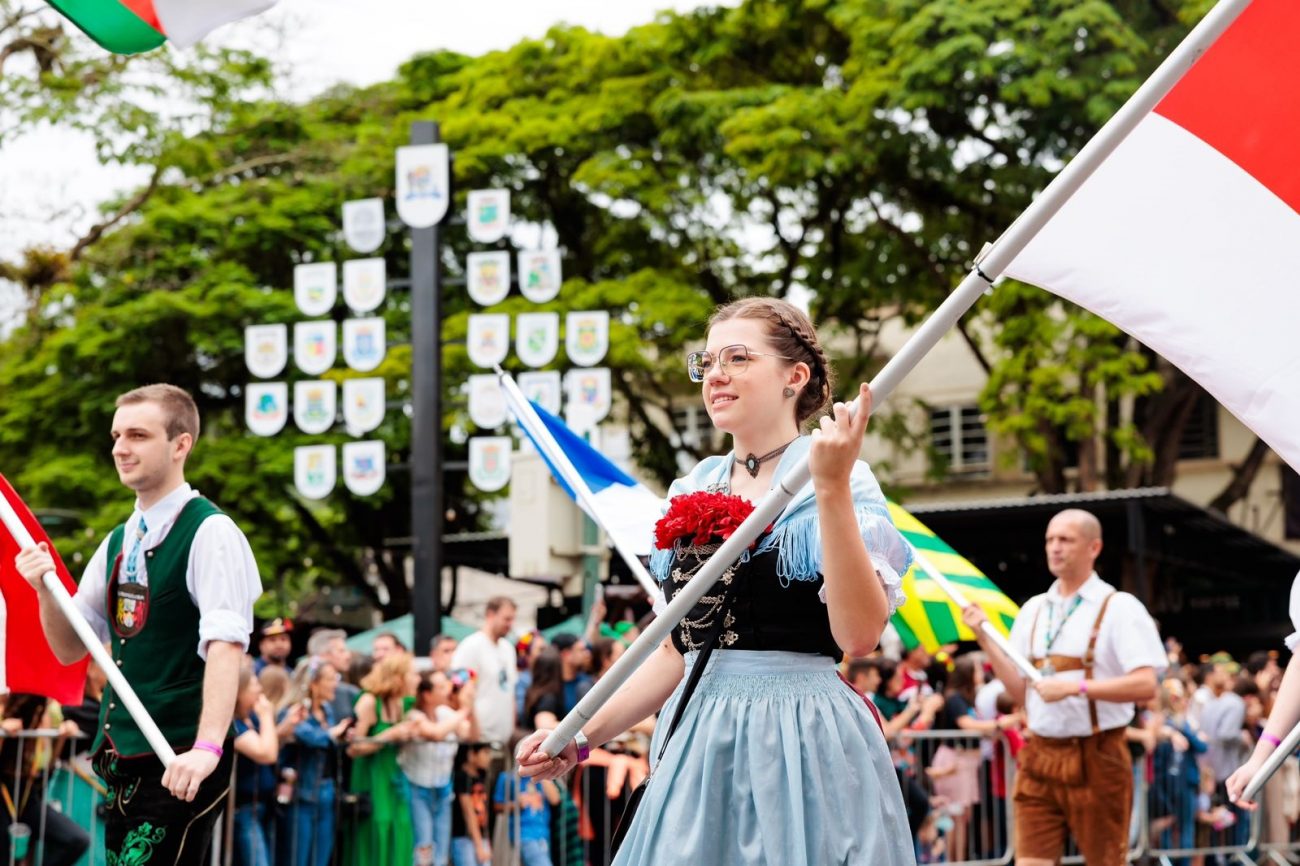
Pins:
x,y
752,463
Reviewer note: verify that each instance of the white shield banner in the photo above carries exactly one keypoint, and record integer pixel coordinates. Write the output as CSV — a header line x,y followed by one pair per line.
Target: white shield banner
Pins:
x,y
487,405
487,277
363,405
586,337
363,467
489,215
314,405
590,394
363,224
316,287
314,470
266,407
364,281
364,343
489,462
423,184
543,389
266,349
315,346
539,275
537,338
488,340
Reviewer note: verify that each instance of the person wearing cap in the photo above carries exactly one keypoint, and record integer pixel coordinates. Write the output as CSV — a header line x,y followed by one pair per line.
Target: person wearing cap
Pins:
x,y
274,643
171,590
1099,652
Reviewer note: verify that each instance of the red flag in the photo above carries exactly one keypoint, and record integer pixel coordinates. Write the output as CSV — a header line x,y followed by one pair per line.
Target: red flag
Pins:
x,y
30,665
1184,236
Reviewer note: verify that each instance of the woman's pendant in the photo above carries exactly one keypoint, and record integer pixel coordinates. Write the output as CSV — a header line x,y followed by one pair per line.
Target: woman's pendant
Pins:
x,y
751,465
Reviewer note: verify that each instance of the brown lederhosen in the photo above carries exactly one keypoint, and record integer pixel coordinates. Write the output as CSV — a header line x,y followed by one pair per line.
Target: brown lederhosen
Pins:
x,y
1079,785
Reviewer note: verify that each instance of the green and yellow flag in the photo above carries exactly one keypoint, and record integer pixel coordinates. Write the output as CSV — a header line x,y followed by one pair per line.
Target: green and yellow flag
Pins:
x,y
930,616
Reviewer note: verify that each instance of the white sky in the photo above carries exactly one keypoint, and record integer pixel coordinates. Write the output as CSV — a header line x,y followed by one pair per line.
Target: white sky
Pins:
x,y
50,181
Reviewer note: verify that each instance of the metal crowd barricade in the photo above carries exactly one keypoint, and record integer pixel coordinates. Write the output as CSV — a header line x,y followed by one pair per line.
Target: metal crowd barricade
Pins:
x,y
66,786
1186,815
968,780
1279,816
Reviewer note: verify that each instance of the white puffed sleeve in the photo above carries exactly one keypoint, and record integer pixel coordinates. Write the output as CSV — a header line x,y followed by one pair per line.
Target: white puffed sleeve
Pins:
x,y
1294,638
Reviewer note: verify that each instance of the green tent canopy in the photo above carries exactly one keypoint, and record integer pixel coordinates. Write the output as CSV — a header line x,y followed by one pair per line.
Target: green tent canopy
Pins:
x,y
404,627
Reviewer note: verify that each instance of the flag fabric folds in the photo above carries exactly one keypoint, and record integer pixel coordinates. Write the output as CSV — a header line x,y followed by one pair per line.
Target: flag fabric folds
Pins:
x,y
1183,237
929,616
628,509
30,665
134,26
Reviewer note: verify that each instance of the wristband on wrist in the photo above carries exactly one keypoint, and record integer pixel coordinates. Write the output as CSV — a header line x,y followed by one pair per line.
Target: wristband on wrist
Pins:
x,y
205,746
1273,741
584,747
1083,687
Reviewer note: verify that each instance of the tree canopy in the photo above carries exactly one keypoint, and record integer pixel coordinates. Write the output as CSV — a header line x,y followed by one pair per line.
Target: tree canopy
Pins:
x,y
860,149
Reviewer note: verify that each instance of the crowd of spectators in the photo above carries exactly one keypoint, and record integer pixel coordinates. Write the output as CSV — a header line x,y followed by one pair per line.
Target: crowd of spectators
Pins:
x,y
1202,726
397,757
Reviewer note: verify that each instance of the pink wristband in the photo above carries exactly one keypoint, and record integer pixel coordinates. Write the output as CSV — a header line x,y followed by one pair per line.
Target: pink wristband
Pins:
x,y
1270,739
205,746
1083,687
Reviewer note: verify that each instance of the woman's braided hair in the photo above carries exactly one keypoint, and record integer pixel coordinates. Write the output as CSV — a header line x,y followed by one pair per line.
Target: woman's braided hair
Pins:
x,y
793,335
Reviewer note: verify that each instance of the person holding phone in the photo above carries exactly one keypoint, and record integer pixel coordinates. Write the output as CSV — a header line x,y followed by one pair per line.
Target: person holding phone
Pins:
x,y
306,828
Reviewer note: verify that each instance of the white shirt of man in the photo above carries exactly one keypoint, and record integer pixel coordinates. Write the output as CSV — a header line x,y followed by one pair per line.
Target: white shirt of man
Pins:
x,y
1128,641
495,666
220,574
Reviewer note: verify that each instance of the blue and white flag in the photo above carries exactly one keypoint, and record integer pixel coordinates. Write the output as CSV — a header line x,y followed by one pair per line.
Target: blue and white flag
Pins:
x,y
627,509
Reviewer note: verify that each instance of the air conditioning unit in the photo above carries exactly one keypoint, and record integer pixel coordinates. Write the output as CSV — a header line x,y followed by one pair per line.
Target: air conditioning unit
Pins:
x,y
545,524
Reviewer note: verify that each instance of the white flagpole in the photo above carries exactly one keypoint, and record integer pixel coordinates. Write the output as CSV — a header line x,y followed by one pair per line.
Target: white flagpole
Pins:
x,y
981,278
959,599
121,687
1270,766
542,437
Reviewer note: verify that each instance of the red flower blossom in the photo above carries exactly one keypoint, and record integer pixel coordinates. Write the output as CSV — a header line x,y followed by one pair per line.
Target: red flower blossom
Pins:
x,y
700,518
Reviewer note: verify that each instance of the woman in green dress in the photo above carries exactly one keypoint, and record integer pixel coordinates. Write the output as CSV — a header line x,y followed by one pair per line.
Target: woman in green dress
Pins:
x,y
384,838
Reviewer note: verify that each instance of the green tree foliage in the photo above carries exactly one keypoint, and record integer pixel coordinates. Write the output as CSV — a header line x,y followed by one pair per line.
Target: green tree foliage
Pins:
x,y
861,149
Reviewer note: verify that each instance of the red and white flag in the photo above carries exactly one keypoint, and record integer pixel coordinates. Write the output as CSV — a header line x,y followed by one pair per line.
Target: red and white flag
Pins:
x,y
1188,235
30,665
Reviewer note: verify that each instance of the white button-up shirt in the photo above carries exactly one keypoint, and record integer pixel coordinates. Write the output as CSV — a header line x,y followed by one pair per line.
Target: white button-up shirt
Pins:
x,y
1128,641
220,574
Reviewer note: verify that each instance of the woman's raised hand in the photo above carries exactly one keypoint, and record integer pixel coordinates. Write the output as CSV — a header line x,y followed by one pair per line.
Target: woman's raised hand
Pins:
x,y
535,763
837,442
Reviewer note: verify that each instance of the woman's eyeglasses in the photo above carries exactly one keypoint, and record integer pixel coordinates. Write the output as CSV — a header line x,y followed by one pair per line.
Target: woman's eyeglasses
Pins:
x,y
733,361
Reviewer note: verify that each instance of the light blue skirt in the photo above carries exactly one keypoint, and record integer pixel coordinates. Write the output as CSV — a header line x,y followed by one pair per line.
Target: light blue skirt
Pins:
x,y
776,762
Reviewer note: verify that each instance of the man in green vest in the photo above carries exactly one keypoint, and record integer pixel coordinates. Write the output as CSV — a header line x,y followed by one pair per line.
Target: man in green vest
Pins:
x,y
171,591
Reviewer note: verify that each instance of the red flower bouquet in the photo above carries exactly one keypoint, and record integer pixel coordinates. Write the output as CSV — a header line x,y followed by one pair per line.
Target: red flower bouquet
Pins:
x,y
700,518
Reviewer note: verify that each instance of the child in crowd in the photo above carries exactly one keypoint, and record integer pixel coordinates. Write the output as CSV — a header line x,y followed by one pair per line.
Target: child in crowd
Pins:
x,y
469,814
527,803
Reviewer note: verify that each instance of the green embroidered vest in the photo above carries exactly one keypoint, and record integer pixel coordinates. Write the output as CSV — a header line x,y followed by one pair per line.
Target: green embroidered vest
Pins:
x,y
161,661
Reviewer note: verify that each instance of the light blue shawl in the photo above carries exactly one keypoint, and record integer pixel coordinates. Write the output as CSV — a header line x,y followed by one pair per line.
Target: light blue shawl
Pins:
x,y
796,535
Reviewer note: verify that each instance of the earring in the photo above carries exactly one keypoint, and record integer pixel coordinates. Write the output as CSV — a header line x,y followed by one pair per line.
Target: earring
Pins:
x,y
788,392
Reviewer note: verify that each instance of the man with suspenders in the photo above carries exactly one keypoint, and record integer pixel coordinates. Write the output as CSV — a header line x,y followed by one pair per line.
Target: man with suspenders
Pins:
x,y
171,591
1099,653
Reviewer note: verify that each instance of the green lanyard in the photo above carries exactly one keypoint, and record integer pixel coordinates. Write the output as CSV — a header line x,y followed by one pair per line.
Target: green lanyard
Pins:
x,y
1053,634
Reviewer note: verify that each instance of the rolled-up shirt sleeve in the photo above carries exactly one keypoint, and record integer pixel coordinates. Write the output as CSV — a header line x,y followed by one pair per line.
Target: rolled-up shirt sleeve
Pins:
x,y
224,582
90,599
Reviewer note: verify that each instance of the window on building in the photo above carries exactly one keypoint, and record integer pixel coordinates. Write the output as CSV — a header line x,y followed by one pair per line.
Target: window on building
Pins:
x,y
1201,435
959,435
